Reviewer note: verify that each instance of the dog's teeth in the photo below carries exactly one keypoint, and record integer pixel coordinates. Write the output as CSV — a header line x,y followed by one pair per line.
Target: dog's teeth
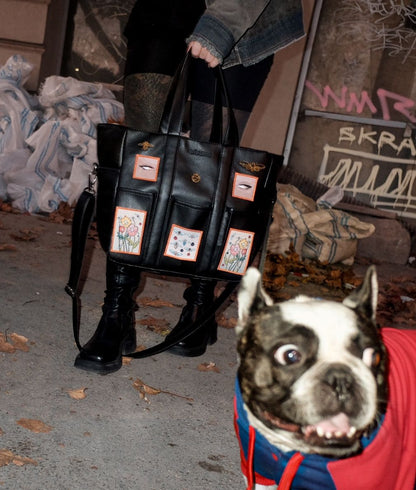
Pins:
x,y
352,432
328,435
320,431
339,433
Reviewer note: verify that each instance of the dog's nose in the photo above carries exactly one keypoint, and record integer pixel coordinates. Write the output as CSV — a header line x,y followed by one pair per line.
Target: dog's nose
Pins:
x,y
340,378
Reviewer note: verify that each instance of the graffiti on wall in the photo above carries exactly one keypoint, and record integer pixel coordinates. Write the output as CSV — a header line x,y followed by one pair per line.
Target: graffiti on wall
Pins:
x,y
97,48
384,25
376,167
385,102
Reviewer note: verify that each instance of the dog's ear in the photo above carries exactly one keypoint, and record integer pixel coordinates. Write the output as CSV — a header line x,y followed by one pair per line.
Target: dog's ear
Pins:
x,y
251,297
365,297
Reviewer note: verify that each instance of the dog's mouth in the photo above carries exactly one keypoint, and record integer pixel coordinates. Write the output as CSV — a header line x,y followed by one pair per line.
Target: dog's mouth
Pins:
x,y
335,430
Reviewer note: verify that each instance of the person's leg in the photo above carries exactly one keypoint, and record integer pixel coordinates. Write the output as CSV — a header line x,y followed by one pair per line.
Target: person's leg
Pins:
x,y
244,86
115,335
198,297
144,100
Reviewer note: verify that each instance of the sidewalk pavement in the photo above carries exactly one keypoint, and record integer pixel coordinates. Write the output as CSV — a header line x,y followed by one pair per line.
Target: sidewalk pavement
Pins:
x,y
115,438
164,422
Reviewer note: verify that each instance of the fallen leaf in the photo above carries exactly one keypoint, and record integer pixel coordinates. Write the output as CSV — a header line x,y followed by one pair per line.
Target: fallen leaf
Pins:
x,y
126,361
157,325
25,235
33,425
156,303
145,390
5,247
208,366
225,322
77,394
63,214
7,207
7,457
1,431
19,342
5,346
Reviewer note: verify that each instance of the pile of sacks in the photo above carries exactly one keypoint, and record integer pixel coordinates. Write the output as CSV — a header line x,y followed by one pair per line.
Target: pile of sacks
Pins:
x,y
48,141
314,229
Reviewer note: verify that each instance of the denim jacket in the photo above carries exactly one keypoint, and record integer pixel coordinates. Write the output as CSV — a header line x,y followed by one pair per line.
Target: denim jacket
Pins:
x,y
247,31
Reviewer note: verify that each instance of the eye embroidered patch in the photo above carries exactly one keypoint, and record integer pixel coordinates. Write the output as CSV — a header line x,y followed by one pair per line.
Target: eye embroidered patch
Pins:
x,y
244,186
183,243
236,252
146,168
128,231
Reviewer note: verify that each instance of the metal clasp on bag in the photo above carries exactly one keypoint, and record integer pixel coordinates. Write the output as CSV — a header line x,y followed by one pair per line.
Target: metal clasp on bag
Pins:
x,y
92,179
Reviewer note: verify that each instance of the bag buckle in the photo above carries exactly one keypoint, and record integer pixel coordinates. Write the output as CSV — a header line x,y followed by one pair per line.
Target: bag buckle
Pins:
x,y
92,179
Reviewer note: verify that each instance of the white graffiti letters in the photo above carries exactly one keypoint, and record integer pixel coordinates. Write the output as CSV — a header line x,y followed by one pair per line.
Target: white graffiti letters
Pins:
x,y
383,138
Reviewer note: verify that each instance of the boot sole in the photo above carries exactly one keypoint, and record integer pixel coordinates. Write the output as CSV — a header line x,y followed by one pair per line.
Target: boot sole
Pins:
x,y
96,366
129,345
196,351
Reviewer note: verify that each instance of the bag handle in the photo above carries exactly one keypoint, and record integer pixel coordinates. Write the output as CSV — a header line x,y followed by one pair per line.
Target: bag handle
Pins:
x,y
173,115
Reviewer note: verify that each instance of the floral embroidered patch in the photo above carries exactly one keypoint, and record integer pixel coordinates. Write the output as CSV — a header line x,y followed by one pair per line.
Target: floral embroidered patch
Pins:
x,y
244,186
146,168
183,243
237,251
128,230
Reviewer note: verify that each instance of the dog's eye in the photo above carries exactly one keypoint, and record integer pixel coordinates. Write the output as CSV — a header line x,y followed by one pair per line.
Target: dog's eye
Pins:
x,y
371,357
288,354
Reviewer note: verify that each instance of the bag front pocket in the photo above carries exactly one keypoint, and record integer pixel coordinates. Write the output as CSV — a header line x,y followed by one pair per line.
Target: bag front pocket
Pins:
x,y
182,246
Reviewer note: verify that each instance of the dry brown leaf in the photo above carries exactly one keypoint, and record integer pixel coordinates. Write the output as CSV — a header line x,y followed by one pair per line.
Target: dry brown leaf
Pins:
x,y
145,390
33,425
7,457
63,214
157,325
140,347
5,346
1,431
5,247
225,322
25,235
8,208
77,394
126,361
155,302
19,342
208,366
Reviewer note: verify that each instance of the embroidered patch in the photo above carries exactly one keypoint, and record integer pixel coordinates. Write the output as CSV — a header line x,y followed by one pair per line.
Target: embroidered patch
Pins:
x,y
146,168
237,251
183,243
128,230
244,186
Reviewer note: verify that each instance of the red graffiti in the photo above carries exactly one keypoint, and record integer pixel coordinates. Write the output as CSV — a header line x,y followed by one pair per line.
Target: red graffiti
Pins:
x,y
352,102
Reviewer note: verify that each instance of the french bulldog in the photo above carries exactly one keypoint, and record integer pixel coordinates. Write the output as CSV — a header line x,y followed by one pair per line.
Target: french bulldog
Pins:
x,y
311,388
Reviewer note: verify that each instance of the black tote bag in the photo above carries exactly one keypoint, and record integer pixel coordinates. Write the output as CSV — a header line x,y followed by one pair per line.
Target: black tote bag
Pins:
x,y
172,205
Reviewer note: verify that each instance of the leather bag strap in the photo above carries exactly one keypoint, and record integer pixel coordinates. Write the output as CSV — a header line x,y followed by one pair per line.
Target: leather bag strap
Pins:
x,y
175,107
83,215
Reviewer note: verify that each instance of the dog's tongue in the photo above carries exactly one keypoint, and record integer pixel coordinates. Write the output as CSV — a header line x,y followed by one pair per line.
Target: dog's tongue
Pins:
x,y
338,425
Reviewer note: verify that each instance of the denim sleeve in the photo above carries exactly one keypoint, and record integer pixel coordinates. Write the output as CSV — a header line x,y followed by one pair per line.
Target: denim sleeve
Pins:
x,y
224,22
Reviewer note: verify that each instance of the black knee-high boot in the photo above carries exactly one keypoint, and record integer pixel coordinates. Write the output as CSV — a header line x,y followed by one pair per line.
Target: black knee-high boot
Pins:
x,y
199,296
116,334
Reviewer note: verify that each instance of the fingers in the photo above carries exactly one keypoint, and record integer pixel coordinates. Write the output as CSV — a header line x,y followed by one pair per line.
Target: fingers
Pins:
x,y
198,51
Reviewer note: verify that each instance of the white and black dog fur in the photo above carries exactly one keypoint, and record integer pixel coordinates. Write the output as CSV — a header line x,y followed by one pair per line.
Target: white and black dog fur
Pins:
x,y
312,372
